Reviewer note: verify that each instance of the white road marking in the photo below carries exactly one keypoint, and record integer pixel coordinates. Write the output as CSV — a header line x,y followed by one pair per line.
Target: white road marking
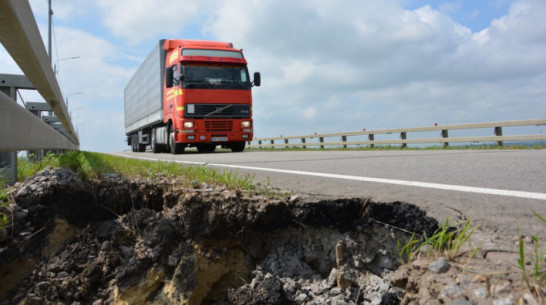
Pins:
x,y
439,186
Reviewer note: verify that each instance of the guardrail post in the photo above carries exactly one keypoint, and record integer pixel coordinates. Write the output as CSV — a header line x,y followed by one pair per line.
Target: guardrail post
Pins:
x,y
498,133
445,136
260,144
272,142
321,140
303,141
344,139
371,138
403,137
285,143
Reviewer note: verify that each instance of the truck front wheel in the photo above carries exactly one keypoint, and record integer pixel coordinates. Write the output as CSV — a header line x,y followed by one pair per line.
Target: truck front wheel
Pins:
x,y
238,146
176,148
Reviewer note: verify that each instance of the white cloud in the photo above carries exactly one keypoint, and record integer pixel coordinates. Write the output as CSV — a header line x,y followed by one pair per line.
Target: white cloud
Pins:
x,y
309,113
359,64
406,67
139,20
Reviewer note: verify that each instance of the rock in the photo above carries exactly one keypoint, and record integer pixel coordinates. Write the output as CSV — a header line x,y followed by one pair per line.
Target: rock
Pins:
x,y
332,278
172,261
97,302
451,291
440,265
530,299
389,299
63,274
23,191
268,291
480,293
106,245
502,287
35,300
504,301
301,297
293,198
42,286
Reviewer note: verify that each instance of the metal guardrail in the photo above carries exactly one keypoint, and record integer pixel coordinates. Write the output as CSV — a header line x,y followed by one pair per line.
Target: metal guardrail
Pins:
x,y
37,133
20,36
444,138
20,129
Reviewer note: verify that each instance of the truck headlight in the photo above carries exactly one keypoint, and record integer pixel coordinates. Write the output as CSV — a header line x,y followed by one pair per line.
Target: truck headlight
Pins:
x,y
245,124
188,124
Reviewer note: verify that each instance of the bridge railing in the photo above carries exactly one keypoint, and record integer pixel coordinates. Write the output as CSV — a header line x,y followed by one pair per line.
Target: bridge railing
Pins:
x,y
20,36
19,128
342,139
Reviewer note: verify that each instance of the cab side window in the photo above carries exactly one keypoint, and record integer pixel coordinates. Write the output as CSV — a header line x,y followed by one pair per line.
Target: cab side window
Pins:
x,y
176,79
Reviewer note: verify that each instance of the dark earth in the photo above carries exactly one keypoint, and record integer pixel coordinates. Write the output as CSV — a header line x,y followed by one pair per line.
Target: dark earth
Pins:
x,y
151,241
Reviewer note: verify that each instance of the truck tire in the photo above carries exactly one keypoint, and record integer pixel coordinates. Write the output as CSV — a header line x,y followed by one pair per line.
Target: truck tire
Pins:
x,y
176,148
134,143
155,148
238,146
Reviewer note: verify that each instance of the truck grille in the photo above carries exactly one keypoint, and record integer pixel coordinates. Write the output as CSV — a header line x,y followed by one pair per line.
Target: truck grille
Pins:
x,y
217,111
218,126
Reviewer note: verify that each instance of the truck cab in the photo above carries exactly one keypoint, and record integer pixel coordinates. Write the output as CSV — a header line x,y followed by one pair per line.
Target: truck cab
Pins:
x,y
205,93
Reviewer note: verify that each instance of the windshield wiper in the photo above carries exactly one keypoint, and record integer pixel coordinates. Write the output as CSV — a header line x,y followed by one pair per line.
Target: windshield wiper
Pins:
x,y
218,110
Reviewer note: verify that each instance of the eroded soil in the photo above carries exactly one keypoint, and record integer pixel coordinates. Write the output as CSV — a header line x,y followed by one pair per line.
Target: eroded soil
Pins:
x,y
119,241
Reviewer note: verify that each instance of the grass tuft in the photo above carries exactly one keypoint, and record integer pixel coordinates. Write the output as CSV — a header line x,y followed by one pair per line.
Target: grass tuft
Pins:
x,y
534,278
446,241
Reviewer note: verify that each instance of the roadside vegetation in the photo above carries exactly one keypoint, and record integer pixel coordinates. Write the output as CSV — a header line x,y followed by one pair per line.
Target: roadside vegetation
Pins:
x,y
4,196
535,275
446,241
91,165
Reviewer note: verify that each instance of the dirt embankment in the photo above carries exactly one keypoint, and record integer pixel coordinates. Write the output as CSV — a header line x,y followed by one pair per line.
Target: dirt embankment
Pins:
x,y
118,241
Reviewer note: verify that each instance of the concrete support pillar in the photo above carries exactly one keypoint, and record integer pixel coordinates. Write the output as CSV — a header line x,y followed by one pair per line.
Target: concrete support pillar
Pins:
x,y
8,167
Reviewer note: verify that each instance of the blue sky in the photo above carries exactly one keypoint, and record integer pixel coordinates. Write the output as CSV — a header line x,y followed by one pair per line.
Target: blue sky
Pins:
x,y
327,66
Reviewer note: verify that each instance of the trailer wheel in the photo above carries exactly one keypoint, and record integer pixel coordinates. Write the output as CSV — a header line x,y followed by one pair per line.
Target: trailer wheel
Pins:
x,y
176,148
155,148
238,146
133,143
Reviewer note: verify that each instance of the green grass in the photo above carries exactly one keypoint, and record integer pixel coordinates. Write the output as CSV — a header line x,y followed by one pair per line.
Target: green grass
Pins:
x,y
446,241
4,201
90,165
535,277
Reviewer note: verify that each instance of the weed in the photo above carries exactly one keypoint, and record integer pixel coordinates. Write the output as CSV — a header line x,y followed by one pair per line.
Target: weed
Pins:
x,y
446,240
407,251
536,276
4,201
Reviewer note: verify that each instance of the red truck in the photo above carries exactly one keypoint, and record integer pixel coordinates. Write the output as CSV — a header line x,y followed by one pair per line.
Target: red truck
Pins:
x,y
190,93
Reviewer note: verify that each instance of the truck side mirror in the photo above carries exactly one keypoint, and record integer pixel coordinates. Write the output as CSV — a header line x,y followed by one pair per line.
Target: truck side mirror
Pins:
x,y
257,79
169,77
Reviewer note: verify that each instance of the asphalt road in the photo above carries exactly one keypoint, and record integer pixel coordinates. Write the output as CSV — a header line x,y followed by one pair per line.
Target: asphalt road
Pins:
x,y
497,189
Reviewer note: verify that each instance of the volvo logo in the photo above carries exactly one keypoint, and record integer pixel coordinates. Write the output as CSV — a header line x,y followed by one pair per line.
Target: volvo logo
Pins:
x,y
219,109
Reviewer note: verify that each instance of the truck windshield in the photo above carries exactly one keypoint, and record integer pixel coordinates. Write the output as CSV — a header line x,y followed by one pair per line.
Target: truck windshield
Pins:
x,y
215,77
